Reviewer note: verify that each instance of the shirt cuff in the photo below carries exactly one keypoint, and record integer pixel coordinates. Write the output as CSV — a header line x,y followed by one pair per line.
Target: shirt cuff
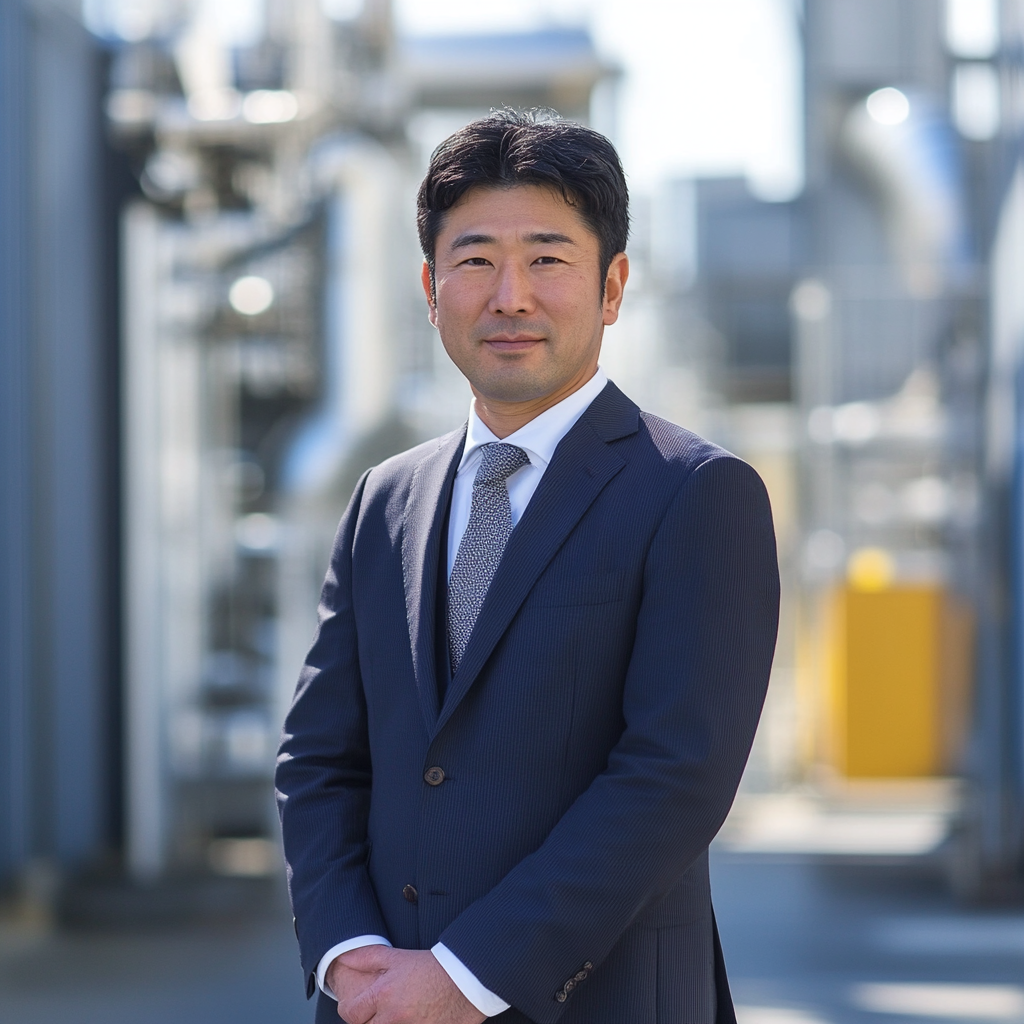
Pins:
x,y
343,947
489,1004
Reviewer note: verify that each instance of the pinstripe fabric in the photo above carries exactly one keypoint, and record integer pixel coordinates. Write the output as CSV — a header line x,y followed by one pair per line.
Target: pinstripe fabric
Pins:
x,y
591,739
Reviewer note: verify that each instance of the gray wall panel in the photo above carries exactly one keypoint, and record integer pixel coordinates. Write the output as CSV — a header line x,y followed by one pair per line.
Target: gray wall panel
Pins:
x,y
55,682
70,474
15,510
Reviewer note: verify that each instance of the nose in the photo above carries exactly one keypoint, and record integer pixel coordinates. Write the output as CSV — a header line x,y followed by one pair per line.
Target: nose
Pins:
x,y
513,294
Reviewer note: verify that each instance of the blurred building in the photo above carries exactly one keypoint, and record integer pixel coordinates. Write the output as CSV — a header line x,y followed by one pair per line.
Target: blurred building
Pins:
x,y
987,92
749,256
890,267
867,304
59,551
199,359
274,348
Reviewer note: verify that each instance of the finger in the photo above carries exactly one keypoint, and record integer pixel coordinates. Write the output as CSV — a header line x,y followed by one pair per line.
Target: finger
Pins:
x,y
354,1020
344,981
360,1008
350,1017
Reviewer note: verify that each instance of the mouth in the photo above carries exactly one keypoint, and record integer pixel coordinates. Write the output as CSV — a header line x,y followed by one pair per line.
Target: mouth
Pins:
x,y
512,342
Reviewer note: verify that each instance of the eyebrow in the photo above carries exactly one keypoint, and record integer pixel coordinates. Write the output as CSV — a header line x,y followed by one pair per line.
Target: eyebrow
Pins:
x,y
549,238
536,238
472,239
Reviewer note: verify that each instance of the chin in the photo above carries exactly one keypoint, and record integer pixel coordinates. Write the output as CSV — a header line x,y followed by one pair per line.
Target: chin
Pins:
x,y
517,386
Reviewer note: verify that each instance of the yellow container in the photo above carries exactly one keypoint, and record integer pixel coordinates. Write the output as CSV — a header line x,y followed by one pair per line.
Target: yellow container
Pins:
x,y
899,665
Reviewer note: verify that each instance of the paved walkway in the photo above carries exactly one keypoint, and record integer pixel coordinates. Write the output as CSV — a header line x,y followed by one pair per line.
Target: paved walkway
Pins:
x,y
241,973
806,943
811,941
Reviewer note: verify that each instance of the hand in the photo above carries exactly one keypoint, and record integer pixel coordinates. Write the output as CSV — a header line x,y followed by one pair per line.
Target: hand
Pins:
x,y
399,986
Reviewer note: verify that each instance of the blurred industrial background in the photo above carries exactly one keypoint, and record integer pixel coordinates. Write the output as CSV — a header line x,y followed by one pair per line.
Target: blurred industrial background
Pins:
x,y
210,324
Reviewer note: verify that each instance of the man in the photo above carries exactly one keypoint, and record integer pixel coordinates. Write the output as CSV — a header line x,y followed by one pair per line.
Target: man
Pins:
x,y
544,644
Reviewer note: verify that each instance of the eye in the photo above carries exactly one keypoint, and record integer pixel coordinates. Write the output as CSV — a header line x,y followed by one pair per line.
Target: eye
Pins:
x,y
547,261
475,261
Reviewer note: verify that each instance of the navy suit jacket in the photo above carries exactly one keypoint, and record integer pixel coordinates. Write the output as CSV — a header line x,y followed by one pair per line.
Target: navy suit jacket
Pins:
x,y
590,742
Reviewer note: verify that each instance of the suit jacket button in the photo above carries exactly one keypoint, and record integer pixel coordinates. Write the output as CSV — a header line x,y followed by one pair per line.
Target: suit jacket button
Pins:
x,y
410,893
434,776
560,996
570,985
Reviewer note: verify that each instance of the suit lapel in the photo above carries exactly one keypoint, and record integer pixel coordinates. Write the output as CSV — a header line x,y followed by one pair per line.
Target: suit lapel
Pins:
x,y
582,465
421,542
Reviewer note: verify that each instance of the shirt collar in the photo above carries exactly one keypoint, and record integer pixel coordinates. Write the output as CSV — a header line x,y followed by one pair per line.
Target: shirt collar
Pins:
x,y
539,438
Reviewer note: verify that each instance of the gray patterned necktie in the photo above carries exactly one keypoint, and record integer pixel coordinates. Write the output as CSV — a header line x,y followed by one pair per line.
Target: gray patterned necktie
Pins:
x,y
487,533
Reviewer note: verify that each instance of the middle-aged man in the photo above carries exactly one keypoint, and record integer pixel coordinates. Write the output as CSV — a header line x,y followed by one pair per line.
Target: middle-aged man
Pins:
x,y
544,644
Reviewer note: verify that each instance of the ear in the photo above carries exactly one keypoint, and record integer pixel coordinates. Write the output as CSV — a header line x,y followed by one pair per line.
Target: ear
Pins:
x,y
428,291
614,285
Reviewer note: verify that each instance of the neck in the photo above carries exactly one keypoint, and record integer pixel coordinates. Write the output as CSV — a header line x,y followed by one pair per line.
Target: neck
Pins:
x,y
504,418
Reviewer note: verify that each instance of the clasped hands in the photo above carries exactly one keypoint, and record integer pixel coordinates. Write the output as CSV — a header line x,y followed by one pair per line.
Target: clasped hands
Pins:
x,y
382,985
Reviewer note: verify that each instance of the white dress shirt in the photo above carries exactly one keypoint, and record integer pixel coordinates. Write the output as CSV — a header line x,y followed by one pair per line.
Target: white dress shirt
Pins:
x,y
539,439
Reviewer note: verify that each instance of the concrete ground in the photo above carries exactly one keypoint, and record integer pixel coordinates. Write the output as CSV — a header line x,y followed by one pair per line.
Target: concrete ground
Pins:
x,y
806,941
244,971
812,940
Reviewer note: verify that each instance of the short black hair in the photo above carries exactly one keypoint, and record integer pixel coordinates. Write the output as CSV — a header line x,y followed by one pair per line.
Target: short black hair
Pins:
x,y
534,147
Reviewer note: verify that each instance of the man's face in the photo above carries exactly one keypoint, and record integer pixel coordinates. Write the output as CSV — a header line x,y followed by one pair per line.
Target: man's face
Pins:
x,y
518,293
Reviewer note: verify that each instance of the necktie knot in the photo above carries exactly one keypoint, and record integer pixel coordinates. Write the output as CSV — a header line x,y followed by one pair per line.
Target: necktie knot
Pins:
x,y
499,462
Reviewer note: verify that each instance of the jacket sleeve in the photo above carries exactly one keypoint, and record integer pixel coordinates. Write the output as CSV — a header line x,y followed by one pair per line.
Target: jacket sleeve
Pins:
x,y
324,773
696,682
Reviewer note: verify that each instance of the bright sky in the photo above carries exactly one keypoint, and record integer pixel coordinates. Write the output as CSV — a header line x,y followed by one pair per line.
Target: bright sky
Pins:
x,y
711,86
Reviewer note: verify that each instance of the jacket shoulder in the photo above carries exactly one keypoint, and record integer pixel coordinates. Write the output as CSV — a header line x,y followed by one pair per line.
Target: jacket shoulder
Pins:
x,y
692,469
681,451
